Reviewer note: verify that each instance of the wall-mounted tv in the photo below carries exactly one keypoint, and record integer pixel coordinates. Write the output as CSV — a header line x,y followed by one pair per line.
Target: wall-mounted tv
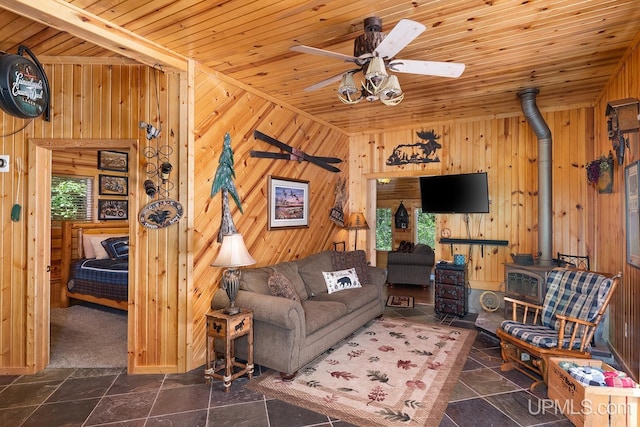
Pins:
x,y
462,193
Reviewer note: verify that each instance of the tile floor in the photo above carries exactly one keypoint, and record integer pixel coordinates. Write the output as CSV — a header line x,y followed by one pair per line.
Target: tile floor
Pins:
x,y
484,396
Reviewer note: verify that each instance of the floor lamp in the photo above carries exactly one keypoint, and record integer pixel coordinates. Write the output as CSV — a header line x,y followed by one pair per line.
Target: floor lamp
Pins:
x,y
357,221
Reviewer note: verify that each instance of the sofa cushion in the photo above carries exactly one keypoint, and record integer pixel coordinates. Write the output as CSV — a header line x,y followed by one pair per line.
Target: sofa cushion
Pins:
x,y
318,314
352,259
341,280
311,268
353,299
290,271
280,286
256,280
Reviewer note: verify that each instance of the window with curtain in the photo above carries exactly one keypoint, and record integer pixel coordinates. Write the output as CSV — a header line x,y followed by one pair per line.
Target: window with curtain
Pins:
x,y
71,198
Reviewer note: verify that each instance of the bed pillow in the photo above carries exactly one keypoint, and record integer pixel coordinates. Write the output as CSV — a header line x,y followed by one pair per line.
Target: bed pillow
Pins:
x,y
341,280
88,250
96,243
116,247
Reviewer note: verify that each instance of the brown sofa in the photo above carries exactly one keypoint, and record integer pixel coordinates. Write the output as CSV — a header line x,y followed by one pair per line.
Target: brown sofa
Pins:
x,y
289,333
411,268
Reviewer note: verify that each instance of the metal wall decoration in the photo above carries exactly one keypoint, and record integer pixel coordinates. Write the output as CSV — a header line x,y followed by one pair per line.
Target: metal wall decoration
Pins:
x,y
223,181
623,118
336,214
402,217
424,151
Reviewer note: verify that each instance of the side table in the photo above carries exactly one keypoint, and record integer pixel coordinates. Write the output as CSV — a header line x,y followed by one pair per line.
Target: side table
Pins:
x,y
228,327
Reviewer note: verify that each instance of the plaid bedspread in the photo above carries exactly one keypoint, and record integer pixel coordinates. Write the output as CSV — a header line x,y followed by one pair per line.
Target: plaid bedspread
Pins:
x,y
104,278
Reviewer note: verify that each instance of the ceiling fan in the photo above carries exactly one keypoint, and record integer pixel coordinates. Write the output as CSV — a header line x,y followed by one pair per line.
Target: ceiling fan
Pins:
x,y
373,53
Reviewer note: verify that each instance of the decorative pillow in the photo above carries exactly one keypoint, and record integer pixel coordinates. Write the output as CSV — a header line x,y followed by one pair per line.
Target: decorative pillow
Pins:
x,y
88,250
280,286
352,259
341,280
116,247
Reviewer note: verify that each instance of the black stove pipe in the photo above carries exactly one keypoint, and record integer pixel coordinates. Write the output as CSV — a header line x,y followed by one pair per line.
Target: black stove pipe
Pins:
x,y
545,208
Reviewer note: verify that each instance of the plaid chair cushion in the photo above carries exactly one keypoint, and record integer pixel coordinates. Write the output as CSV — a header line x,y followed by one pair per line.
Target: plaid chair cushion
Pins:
x,y
538,335
578,294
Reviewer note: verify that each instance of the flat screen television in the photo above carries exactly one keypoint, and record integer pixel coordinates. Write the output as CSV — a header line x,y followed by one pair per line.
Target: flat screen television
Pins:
x,y
462,193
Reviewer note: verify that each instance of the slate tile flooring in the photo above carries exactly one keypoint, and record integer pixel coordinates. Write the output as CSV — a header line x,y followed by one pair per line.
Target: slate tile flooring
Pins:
x,y
483,396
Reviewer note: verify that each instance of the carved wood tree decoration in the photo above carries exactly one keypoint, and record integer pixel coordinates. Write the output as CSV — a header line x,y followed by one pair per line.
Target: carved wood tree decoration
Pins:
x,y
223,180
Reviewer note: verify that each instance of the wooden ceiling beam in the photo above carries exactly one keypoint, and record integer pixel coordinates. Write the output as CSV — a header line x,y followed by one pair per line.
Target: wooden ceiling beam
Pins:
x,y
69,18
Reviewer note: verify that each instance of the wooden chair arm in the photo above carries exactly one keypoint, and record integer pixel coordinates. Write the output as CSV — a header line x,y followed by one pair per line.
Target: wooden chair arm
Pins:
x,y
527,307
588,328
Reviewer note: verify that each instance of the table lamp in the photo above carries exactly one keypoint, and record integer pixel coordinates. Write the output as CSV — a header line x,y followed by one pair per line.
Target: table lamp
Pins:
x,y
357,221
233,254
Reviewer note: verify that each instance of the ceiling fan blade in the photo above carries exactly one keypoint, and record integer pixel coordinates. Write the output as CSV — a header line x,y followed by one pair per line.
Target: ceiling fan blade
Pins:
x,y
429,68
328,81
401,35
322,52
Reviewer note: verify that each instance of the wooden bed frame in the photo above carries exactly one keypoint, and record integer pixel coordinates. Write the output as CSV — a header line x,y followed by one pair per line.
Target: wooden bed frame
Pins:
x,y
72,233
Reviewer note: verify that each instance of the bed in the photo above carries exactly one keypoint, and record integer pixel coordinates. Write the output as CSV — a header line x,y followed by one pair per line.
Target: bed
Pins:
x,y
94,263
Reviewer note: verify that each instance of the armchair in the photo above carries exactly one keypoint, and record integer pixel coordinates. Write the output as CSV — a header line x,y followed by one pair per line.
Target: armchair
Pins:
x,y
562,326
412,268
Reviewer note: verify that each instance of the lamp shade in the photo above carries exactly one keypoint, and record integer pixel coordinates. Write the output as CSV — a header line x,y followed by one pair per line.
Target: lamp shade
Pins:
x,y
233,252
357,221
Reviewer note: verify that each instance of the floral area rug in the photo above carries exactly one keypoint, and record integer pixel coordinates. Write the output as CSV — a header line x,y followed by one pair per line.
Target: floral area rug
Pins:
x,y
392,372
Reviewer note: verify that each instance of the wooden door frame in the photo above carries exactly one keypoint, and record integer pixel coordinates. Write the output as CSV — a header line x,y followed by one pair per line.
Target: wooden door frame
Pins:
x,y
38,218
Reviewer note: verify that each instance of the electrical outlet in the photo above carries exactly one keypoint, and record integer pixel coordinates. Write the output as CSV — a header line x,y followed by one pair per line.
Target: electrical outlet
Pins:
x,y
4,163
525,357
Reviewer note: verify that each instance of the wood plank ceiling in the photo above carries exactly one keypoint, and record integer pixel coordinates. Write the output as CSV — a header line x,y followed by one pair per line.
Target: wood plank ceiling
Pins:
x,y
566,48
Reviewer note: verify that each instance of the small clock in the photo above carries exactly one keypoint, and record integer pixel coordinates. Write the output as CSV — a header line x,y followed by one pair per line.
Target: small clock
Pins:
x,y
446,233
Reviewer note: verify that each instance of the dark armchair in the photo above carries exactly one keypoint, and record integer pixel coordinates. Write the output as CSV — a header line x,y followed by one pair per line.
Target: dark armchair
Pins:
x,y
412,268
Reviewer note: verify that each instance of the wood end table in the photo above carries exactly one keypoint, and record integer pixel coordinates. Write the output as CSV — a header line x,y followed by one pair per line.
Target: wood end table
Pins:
x,y
228,327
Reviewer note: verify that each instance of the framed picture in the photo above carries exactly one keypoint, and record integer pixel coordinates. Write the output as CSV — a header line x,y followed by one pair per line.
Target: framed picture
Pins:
x,y
288,203
113,209
113,185
631,184
113,161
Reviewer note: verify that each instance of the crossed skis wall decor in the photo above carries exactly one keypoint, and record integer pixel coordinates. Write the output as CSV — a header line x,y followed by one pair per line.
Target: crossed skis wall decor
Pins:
x,y
291,153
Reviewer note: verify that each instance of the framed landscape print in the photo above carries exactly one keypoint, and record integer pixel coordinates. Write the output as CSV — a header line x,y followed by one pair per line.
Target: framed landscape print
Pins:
x,y
114,185
288,203
631,184
113,209
113,161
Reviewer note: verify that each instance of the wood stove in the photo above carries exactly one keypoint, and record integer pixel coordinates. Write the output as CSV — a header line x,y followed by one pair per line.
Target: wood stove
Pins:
x,y
527,282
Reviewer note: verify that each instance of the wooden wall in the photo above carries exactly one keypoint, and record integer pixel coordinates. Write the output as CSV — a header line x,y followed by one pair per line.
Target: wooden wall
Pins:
x,y
609,221
507,149
220,108
97,106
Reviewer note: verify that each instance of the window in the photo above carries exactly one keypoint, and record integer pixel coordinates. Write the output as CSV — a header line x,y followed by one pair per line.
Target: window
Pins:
x,y
71,198
426,228
383,229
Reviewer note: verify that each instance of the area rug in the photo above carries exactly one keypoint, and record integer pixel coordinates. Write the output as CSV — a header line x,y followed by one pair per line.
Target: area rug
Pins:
x,y
392,372
88,337
396,301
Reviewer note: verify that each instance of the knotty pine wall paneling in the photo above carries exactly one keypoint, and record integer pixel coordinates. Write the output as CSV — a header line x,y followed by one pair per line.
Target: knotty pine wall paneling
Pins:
x,y
507,149
96,102
221,107
609,223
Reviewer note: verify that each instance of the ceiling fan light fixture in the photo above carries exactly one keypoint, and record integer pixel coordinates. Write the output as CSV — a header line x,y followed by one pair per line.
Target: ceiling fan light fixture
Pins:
x,y
376,73
347,90
391,93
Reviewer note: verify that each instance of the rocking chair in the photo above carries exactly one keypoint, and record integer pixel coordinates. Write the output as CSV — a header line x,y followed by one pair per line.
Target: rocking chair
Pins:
x,y
562,327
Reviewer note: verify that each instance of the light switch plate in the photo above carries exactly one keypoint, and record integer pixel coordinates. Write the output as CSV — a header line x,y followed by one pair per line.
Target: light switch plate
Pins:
x,y
4,163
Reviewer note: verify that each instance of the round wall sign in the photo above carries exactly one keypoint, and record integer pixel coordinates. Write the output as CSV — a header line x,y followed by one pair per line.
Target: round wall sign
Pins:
x,y
161,213
24,90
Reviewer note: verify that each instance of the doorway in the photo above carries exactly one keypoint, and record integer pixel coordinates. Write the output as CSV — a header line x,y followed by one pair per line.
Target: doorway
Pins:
x,y
39,235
